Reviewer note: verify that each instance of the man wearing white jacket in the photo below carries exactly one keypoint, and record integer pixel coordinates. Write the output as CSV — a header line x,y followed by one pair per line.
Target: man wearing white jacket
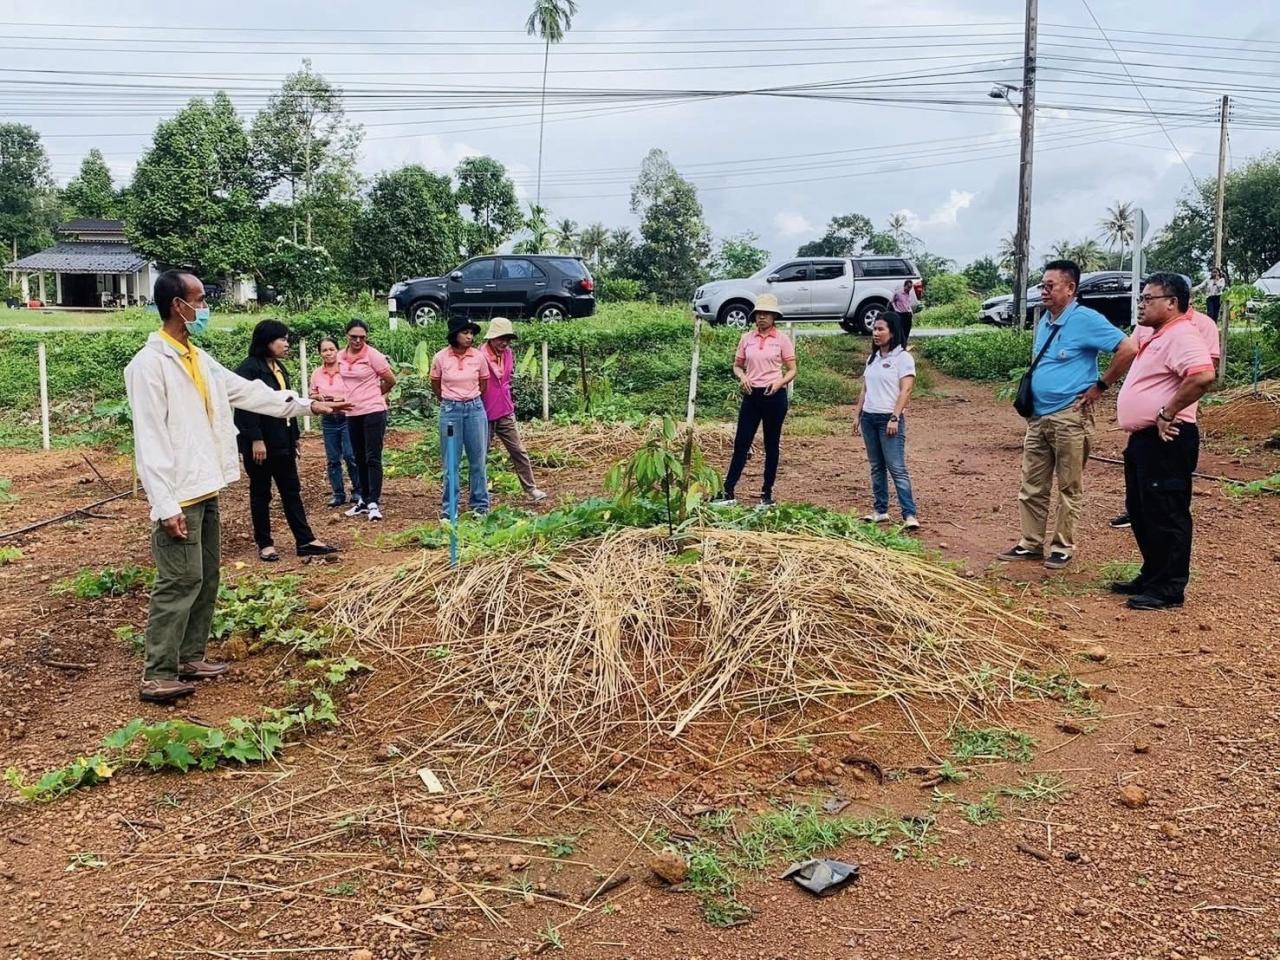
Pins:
x,y
184,442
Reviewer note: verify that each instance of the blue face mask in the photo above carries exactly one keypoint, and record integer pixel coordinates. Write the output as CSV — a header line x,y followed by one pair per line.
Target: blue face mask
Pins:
x,y
200,324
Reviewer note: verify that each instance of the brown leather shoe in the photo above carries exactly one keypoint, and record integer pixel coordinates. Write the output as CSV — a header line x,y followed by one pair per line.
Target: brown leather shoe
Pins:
x,y
164,691
201,670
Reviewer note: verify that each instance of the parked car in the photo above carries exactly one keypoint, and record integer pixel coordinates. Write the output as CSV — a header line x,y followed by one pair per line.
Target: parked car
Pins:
x,y
853,291
1107,291
543,287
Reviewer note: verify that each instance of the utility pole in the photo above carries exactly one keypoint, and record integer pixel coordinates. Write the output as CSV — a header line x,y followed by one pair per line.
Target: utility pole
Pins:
x,y
1022,256
1217,234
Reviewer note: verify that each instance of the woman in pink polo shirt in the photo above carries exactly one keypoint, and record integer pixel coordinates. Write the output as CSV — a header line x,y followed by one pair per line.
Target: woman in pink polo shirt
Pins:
x,y
368,379
764,364
459,376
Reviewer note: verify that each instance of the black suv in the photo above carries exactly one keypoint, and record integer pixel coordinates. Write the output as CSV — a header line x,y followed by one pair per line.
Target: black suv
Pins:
x,y
1107,291
543,287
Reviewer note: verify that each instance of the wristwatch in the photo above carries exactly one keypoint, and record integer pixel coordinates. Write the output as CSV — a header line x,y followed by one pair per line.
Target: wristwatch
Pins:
x,y
893,418
1160,415
1102,385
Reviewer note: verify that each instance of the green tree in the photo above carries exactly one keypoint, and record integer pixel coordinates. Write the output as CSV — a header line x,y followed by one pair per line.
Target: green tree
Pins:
x,y
674,243
29,208
897,228
550,20
983,275
851,235
539,231
931,265
1117,227
1087,255
410,227
592,241
91,194
490,198
946,288
194,197
1007,253
1184,244
739,256
303,134
565,236
302,274
618,253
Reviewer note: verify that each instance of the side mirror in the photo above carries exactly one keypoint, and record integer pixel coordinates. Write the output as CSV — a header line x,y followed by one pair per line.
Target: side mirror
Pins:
x,y
456,275
772,278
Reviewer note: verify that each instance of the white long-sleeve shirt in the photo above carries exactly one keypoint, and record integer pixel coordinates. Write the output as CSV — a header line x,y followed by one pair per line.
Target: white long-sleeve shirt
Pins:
x,y
184,453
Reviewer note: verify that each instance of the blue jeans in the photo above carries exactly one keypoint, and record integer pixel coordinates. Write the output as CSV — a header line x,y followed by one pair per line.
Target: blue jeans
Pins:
x,y
887,454
470,435
337,450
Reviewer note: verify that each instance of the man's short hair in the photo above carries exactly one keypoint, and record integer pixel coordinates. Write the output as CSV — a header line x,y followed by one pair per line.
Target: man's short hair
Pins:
x,y
170,285
1069,267
1174,285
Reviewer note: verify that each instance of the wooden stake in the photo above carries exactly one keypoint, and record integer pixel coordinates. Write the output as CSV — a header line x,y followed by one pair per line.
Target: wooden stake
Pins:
x,y
693,371
44,395
546,384
303,380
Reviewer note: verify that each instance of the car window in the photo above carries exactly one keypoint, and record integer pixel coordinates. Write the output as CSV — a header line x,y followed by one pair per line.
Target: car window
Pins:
x,y
571,266
792,272
884,268
478,270
828,271
521,270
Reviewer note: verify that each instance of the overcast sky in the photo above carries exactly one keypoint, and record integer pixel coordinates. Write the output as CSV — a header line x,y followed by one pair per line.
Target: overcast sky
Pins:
x,y
779,165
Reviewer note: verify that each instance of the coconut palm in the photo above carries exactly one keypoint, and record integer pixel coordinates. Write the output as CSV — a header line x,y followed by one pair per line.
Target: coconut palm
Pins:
x,y
1117,227
591,241
550,20
1007,254
1087,256
565,235
539,232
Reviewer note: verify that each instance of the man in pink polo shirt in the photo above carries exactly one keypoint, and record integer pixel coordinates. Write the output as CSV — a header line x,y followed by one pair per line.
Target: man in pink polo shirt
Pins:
x,y
1157,406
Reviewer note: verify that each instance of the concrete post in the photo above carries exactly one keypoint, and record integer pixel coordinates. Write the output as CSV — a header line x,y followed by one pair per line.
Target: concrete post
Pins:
x,y
40,284
57,279
26,289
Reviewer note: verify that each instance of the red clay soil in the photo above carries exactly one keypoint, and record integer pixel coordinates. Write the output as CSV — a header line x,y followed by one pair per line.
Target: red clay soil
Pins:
x,y
318,855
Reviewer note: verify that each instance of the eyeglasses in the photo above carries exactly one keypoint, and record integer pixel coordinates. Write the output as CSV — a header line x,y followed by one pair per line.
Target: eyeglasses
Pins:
x,y
1148,297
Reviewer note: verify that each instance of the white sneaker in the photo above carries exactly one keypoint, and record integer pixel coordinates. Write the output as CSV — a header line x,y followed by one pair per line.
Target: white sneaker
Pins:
x,y
357,509
537,496
373,511
876,518
911,523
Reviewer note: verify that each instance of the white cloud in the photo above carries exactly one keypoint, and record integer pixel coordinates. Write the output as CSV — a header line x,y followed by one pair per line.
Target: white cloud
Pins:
x,y
792,224
946,214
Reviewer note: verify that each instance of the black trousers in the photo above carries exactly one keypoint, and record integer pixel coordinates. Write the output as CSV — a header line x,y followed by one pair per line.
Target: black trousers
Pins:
x,y
367,433
758,409
1157,478
283,469
1213,306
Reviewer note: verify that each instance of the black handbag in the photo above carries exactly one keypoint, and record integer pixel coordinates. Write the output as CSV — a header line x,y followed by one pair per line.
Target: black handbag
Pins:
x,y
1022,399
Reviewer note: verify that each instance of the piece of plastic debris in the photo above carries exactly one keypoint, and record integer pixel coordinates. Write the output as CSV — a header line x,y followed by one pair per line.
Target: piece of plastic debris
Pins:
x,y
431,781
822,877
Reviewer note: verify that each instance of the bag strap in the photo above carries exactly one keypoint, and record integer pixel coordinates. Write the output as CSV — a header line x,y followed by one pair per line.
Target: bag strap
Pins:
x,y
1043,350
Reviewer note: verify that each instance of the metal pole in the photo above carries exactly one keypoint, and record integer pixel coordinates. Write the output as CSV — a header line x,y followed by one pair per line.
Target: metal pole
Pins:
x,y
451,485
1222,183
1022,256
303,380
44,395
546,385
693,372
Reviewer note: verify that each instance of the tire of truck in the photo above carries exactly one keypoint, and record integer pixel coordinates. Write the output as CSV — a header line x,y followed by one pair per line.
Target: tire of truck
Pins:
x,y
423,313
865,318
735,313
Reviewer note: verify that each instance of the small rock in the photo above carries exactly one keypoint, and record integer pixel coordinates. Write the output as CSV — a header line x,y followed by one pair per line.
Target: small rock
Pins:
x,y
669,866
1159,724
1134,797
1096,653
361,954
1142,746
518,863
387,751
426,895
1070,727
1205,648
1170,830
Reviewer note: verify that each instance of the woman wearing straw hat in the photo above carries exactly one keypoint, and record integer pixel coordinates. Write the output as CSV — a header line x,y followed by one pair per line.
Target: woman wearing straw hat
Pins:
x,y
459,377
764,364
880,414
499,404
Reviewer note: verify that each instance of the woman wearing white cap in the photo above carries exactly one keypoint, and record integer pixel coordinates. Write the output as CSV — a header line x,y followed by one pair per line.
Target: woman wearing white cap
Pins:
x,y
764,364
499,404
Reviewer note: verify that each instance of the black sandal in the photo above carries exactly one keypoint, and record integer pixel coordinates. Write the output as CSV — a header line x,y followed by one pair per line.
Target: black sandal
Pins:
x,y
272,557
316,550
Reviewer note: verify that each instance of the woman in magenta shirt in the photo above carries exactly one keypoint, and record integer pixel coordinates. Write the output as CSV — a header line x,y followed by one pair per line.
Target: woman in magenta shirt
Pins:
x,y
500,405
368,379
459,375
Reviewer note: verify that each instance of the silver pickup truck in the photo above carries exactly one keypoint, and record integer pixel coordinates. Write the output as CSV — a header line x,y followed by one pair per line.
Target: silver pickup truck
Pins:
x,y
851,290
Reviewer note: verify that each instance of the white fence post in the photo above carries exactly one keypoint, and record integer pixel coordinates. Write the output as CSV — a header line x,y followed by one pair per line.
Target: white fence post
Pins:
x,y
546,385
791,387
693,371
304,382
44,395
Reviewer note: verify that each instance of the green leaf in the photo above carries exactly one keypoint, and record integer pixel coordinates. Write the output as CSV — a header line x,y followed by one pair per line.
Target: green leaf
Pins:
x,y
121,738
177,755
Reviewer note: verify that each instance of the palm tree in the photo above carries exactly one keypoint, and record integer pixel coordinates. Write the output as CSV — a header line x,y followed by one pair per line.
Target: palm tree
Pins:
x,y
539,232
591,242
1087,256
550,20
897,226
1007,254
1117,227
565,235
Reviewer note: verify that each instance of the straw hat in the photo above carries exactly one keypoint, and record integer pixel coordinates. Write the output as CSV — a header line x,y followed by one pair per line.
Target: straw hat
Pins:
x,y
500,327
767,303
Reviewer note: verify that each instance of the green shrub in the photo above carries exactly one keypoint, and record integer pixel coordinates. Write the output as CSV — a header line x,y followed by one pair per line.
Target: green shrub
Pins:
x,y
615,289
958,313
947,288
992,356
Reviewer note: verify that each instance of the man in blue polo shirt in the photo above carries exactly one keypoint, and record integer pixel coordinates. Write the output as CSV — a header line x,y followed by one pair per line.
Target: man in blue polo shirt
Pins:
x,y
1064,387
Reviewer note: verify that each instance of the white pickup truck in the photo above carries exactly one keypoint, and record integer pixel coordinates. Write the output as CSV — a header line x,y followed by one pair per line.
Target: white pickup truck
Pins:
x,y
851,290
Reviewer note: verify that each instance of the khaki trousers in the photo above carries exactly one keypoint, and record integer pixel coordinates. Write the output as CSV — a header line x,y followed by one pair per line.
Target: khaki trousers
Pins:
x,y
1055,444
186,587
505,429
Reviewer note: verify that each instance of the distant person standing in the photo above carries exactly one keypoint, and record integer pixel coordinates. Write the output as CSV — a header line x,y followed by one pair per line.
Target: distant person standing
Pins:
x,y
764,364
459,378
184,440
327,383
1064,386
500,405
368,378
904,305
1213,286
1157,407
880,415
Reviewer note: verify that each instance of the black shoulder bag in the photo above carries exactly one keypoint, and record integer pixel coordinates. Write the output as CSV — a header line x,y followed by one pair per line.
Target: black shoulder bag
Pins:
x,y
1022,400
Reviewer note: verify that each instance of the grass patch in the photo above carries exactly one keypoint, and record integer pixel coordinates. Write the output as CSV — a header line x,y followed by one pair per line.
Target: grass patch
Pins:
x,y
108,582
1039,788
991,743
9,555
798,832
1118,571
984,811
1061,687
133,638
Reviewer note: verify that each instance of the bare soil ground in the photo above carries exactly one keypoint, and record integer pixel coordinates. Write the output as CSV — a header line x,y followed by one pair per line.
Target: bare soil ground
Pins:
x,y
320,854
